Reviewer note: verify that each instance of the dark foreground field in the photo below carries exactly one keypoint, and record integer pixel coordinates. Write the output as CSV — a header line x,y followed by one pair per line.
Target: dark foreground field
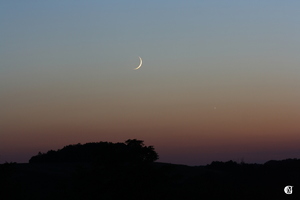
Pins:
x,y
218,180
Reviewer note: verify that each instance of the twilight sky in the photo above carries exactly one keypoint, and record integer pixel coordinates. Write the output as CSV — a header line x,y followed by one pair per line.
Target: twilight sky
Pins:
x,y
220,80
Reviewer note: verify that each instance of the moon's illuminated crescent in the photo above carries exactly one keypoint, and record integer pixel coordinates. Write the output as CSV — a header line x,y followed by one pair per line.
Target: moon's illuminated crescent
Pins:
x,y
141,62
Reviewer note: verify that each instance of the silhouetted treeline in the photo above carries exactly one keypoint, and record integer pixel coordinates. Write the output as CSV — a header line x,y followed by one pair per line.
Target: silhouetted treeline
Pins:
x,y
287,165
132,151
232,166
106,170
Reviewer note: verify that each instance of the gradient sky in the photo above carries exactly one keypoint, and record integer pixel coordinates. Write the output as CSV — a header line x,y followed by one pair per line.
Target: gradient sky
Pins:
x,y
220,79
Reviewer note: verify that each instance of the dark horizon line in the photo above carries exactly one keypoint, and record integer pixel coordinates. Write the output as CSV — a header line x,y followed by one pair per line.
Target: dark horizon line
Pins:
x,y
168,163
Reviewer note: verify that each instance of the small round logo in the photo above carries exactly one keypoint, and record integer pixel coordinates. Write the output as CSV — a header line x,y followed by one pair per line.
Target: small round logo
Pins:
x,y
288,189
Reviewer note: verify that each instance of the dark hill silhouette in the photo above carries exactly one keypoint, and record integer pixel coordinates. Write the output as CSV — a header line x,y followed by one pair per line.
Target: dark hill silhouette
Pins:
x,y
133,151
106,170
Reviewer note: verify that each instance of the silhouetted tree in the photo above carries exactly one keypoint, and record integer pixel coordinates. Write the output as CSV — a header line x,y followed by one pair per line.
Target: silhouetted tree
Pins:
x,y
138,152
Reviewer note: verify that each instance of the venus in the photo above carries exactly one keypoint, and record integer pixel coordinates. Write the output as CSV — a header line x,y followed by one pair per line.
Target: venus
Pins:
x,y
141,62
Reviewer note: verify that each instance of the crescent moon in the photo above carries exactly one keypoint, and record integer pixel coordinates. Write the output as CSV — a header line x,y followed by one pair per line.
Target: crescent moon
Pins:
x,y
141,62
